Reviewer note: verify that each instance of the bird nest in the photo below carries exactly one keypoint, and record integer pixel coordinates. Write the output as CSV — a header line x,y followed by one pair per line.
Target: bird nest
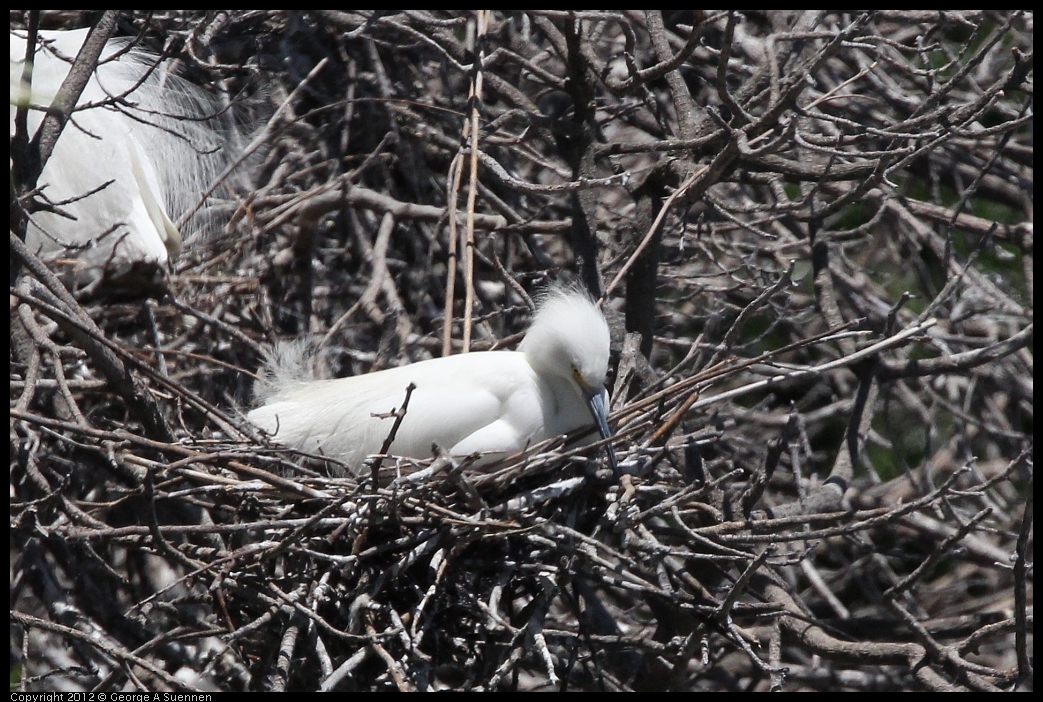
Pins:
x,y
822,385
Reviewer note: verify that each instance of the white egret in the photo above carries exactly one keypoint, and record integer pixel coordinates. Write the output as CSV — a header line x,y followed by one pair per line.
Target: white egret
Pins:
x,y
490,402
139,152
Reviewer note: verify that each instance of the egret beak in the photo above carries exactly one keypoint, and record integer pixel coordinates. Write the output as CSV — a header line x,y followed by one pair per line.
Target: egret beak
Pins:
x,y
596,403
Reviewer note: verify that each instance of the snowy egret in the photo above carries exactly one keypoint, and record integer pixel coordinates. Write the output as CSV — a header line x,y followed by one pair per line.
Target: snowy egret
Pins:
x,y
139,150
489,402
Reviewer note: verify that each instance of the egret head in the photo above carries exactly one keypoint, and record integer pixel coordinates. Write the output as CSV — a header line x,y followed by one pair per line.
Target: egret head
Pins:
x,y
569,340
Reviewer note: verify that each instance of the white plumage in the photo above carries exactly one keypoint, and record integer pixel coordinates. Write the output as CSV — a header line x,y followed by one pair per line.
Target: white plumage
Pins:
x,y
491,402
121,170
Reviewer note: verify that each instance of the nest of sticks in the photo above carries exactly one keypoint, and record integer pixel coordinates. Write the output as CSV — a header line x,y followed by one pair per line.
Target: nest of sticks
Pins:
x,y
822,380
